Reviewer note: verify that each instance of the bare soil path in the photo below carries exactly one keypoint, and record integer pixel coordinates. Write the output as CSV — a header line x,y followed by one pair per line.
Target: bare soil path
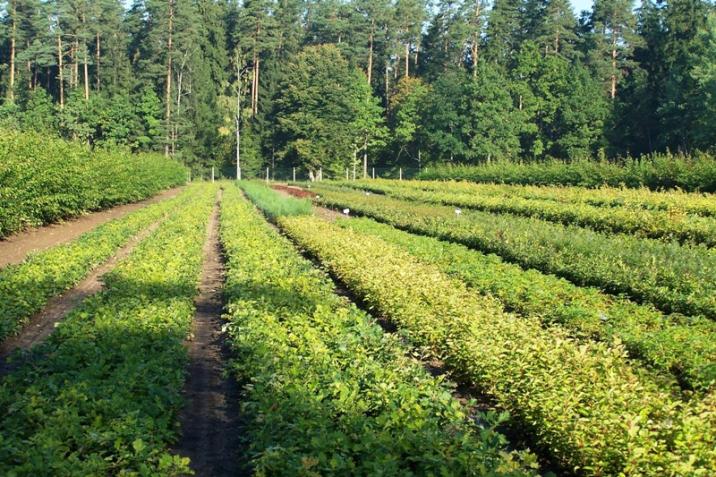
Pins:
x,y
211,432
43,323
15,248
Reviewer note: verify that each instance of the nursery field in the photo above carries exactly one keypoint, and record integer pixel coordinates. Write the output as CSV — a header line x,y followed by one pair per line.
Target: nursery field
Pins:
x,y
417,328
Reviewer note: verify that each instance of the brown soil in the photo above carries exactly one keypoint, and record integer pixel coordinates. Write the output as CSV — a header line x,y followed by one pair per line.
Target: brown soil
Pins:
x,y
209,421
43,323
294,191
15,248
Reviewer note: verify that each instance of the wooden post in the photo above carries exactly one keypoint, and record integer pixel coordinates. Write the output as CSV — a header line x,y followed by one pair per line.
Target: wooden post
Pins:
x,y
294,174
374,173
267,175
212,174
400,174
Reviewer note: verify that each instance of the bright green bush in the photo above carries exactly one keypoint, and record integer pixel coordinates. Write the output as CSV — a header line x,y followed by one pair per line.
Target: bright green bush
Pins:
x,y
660,171
272,203
43,179
667,225
101,395
327,391
26,287
670,276
683,346
675,201
581,402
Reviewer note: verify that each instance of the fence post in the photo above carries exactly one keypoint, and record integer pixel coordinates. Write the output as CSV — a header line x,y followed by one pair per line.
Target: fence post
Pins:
x,y
374,173
267,175
346,173
400,174
212,174
294,174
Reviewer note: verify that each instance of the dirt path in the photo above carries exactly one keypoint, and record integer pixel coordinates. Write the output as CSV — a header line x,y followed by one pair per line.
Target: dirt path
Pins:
x,y
14,249
43,323
209,421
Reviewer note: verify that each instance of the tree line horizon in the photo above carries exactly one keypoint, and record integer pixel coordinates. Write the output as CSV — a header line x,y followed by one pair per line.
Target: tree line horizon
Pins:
x,y
341,85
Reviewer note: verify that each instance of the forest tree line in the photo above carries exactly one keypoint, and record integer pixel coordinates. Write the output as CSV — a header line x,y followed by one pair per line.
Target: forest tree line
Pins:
x,y
352,84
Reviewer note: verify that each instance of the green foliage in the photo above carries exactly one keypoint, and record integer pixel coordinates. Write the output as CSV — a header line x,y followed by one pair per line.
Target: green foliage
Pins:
x,y
274,204
581,402
326,111
43,180
101,395
659,171
327,391
670,276
25,288
674,344
674,223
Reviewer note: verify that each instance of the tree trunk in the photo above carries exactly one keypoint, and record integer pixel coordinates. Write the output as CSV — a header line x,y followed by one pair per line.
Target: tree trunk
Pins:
x,y
76,63
168,87
97,59
407,59
61,68
365,158
387,83
613,90
13,34
370,52
238,121
256,92
86,76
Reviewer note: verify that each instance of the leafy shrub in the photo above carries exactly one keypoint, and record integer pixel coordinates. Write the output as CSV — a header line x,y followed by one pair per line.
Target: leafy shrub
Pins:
x,y
658,171
327,391
581,402
101,395
671,344
662,224
26,287
43,180
672,277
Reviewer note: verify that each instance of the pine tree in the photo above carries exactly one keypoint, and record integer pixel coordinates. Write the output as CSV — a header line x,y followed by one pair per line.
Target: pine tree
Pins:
x,y
505,31
614,25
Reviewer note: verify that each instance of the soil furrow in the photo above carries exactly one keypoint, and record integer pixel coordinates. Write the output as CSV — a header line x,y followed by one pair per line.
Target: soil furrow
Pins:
x,y
43,323
211,432
17,247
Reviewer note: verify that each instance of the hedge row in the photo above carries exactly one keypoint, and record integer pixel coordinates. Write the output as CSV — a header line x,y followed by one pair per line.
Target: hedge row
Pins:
x,y
101,395
676,201
25,288
666,225
327,391
582,402
659,171
43,179
669,344
670,276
